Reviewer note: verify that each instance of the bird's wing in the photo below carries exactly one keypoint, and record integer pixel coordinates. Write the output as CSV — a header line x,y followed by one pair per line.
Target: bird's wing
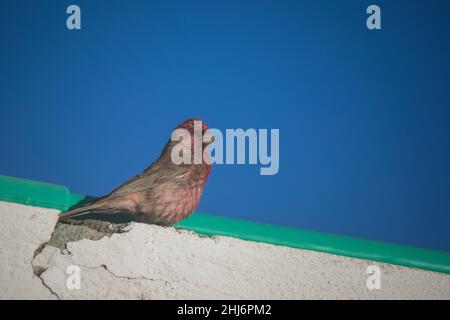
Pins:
x,y
146,180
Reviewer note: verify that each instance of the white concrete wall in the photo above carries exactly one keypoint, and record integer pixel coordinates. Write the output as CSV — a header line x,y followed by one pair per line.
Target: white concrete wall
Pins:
x,y
151,262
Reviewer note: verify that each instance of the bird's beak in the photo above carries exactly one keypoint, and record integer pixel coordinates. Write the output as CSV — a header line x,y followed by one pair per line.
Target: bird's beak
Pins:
x,y
208,140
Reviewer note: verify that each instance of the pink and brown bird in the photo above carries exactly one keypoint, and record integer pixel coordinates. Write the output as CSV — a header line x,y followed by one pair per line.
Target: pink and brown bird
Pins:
x,y
163,194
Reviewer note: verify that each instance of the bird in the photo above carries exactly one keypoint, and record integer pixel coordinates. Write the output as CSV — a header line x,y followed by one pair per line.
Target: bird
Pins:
x,y
163,194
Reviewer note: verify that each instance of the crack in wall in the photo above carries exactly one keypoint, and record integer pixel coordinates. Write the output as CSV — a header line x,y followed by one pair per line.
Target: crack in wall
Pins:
x,y
71,231
75,230
48,287
37,270
141,277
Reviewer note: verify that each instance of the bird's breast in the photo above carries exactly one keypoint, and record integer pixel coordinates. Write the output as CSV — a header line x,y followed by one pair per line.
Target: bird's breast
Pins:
x,y
172,202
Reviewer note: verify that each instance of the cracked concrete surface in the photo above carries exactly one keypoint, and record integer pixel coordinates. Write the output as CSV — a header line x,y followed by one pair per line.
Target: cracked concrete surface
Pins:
x,y
142,261
24,229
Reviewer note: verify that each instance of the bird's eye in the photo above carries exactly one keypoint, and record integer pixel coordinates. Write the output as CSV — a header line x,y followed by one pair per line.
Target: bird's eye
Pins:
x,y
208,139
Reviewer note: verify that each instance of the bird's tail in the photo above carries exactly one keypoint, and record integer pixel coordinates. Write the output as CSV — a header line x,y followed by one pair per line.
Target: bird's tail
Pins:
x,y
80,211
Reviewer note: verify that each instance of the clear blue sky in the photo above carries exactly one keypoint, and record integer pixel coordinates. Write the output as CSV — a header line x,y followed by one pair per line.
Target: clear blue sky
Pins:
x,y
363,115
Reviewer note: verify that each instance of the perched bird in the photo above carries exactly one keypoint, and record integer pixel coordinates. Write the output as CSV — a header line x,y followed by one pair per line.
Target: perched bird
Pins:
x,y
163,194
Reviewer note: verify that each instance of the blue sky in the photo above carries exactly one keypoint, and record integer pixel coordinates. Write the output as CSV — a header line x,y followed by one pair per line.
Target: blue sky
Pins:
x,y
363,115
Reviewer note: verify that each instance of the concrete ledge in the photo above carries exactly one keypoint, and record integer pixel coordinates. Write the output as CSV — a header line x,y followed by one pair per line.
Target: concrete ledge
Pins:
x,y
54,196
150,262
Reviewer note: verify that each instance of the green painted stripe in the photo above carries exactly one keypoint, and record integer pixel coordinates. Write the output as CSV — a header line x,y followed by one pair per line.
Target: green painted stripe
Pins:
x,y
33,193
53,196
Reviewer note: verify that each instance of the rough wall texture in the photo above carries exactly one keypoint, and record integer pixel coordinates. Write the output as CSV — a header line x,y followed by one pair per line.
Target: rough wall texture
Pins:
x,y
23,230
151,262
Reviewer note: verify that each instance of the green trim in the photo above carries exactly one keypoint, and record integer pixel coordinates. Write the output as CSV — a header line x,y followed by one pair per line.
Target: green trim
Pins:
x,y
33,193
54,196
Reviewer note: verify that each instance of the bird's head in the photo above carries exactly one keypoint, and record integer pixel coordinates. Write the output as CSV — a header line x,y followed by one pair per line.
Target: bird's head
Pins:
x,y
190,123
188,136
197,127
